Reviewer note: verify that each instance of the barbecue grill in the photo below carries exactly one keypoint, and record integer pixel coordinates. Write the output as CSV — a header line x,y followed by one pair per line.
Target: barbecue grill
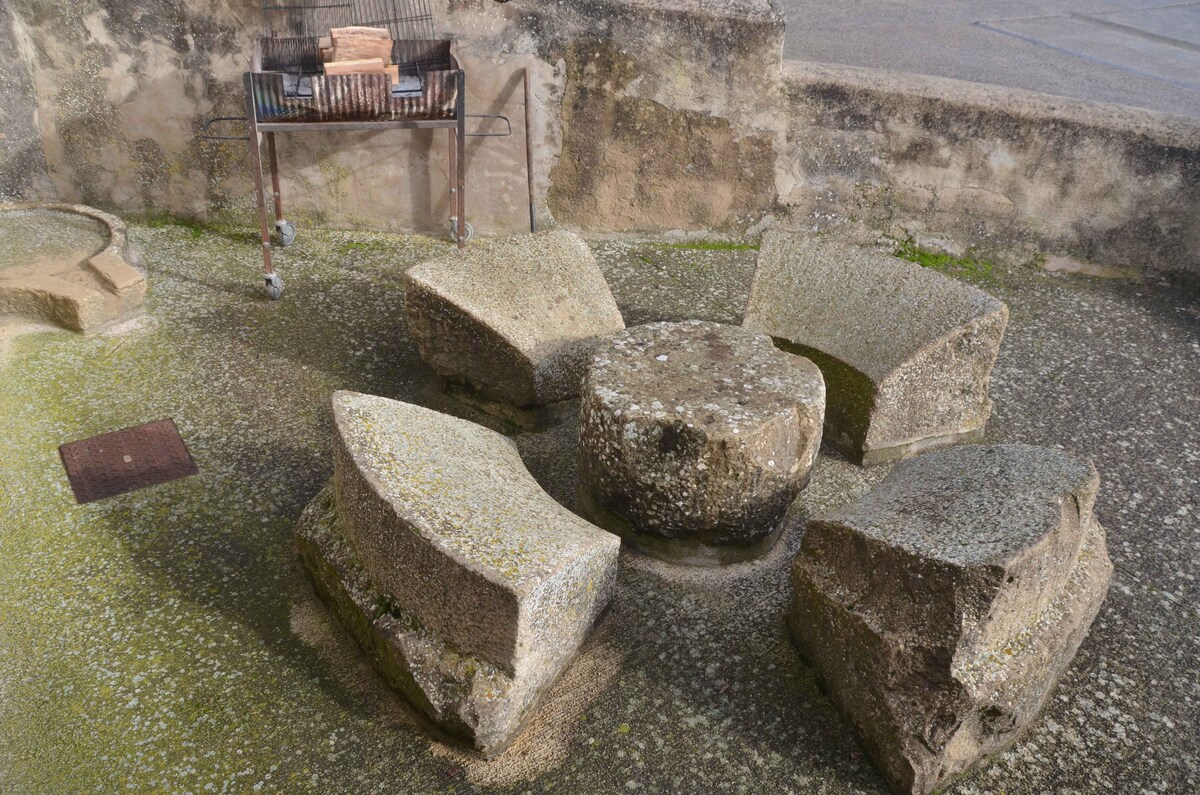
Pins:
x,y
287,91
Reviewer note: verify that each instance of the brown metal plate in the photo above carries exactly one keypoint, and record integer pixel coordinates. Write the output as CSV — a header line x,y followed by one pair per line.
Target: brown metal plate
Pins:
x,y
123,461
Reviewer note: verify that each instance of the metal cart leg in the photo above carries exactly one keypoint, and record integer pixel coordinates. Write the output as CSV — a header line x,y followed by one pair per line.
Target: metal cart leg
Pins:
x,y
452,157
287,230
529,154
274,285
461,160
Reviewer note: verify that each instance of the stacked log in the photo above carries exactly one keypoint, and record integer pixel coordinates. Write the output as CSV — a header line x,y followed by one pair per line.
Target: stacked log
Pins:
x,y
359,50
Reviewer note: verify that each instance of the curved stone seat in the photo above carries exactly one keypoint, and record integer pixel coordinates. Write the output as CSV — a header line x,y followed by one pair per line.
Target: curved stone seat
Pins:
x,y
907,353
513,318
941,608
469,587
83,291
695,438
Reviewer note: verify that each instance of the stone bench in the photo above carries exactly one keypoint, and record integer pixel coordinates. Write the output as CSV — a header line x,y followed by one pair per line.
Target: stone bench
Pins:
x,y
695,438
467,585
941,608
514,318
907,353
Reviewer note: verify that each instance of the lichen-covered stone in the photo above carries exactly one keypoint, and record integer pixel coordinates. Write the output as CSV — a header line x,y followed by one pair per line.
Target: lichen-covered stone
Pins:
x,y
515,318
468,586
941,608
907,353
66,264
696,437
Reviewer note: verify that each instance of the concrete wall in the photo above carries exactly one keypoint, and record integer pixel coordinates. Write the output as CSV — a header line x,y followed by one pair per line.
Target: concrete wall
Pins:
x,y
1011,174
670,111
123,87
22,160
648,115
654,96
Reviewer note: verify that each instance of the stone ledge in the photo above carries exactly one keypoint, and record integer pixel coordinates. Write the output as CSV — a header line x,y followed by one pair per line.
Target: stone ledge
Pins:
x,y
82,296
1009,175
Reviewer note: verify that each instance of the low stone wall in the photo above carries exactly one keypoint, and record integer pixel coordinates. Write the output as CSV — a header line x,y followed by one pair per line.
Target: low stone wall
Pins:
x,y
649,115
1011,174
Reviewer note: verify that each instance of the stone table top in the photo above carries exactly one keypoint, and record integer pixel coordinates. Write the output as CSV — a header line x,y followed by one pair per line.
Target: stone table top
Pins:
x,y
722,378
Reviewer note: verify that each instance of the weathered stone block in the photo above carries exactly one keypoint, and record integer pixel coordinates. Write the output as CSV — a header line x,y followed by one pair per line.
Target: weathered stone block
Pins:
x,y
941,609
469,587
515,318
907,353
696,437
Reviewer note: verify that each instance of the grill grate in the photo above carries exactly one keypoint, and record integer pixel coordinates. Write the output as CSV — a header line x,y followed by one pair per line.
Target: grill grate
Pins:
x,y
404,19
126,460
287,90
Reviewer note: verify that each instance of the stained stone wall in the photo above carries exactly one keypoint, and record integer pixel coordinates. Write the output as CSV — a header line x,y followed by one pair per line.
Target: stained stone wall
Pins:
x,y
22,162
1015,176
648,115
670,111
660,102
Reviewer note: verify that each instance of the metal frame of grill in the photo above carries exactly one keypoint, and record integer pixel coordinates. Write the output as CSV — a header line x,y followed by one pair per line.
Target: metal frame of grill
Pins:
x,y
287,91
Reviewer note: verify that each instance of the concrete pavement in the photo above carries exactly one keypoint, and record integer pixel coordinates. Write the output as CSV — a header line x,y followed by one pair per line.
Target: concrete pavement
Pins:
x,y
1140,53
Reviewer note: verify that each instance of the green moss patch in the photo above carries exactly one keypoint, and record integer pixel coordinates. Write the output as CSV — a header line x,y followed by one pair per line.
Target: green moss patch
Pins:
x,y
969,269
708,245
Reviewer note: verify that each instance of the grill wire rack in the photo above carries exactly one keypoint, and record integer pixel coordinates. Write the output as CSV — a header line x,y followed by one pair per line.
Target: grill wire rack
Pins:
x,y
404,19
288,91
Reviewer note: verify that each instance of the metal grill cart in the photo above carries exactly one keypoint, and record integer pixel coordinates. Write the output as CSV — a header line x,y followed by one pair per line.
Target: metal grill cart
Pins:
x,y
287,91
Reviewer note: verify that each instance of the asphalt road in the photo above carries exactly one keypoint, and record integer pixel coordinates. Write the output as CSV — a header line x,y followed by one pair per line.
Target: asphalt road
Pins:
x,y
1144,54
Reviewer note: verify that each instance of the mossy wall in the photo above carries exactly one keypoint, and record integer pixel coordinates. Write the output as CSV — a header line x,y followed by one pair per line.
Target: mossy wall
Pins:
x,y
648,115
113,94
990,172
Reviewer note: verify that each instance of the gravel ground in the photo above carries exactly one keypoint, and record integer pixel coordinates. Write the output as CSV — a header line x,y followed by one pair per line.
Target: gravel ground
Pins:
x,y
166,641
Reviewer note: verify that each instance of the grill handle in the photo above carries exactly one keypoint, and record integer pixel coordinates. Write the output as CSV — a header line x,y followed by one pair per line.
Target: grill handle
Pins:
x,y
506,134
208,123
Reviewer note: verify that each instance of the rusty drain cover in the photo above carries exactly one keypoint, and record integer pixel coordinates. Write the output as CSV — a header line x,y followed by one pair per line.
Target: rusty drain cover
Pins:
x,y
123,461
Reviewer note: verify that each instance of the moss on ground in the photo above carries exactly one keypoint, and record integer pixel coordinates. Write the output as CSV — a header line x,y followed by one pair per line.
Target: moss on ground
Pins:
x,y
708,245
144,641
659,281
164,640
970,269
167,641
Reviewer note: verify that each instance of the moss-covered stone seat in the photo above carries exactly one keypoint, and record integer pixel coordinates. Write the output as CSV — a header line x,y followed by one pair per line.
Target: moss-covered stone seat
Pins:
x,y
906,352
512,318
940,609
469,587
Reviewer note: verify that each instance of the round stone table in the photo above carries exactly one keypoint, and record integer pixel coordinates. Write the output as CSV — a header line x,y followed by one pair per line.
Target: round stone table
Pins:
x,y
695,438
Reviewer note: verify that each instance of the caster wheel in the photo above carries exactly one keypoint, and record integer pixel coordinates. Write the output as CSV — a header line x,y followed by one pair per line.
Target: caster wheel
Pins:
x,y
274,286
287,232
470,233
